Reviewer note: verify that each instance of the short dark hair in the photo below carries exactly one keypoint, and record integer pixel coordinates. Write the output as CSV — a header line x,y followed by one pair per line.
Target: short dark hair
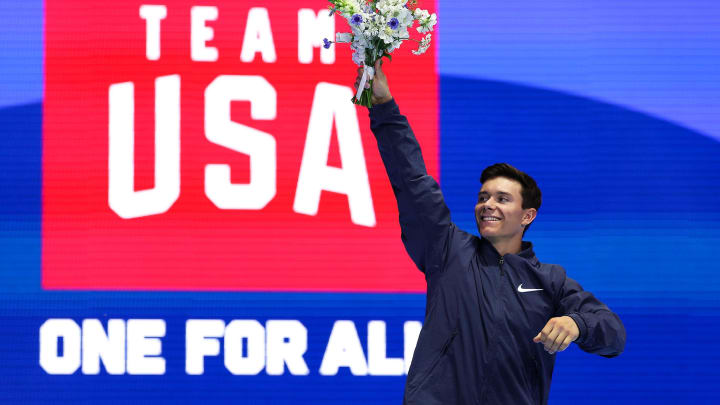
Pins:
x,y
530,192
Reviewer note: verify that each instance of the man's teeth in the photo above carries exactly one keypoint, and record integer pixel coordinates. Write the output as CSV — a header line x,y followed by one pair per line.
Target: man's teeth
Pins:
x,y
490,219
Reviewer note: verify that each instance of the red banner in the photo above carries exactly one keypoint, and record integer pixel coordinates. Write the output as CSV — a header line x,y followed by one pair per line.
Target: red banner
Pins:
x,y
213,146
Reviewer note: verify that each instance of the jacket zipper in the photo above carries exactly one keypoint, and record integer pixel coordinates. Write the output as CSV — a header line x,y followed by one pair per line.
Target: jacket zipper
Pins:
x,y
484,393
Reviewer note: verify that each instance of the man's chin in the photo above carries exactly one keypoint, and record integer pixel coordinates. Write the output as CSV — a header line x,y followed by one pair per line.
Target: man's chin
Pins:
x,y
487,233
487,230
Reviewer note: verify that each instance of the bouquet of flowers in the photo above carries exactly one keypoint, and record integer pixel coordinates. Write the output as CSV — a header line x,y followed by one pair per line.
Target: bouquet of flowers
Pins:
x,y
378,28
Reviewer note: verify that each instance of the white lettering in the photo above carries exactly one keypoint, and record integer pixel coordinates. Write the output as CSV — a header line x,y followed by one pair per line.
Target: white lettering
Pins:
x,y
312,29
200,33
258,37
260,146
122,197
286,344
236,332
344,350
378,363
50,333
141,342
411,332
330,101
144,346
96,345
152,16
200,341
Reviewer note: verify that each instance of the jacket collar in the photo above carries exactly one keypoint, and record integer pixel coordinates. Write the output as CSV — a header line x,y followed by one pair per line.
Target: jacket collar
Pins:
x,y
491,255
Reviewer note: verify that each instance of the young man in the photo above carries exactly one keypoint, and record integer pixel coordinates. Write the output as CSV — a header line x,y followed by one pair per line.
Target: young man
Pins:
x,y
495,315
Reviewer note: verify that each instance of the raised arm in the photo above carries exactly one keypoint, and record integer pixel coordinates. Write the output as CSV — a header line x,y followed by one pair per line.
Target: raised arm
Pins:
x,y
424,216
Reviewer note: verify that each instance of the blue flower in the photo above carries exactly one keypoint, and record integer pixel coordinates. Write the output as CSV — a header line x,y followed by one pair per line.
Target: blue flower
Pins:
x,y
326,43
393,23
356,19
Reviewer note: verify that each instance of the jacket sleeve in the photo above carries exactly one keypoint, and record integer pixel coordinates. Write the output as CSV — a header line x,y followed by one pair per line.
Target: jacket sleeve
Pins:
x,y
601,330
424,217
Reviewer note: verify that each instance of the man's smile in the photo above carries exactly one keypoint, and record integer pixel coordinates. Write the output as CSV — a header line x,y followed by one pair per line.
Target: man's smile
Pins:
x,y
490,218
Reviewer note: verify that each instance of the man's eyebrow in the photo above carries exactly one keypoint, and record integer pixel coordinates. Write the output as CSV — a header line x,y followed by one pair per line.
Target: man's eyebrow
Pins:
x,y
498,192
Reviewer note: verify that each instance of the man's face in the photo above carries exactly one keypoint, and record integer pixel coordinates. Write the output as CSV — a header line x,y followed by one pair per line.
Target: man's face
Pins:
x,y
499,213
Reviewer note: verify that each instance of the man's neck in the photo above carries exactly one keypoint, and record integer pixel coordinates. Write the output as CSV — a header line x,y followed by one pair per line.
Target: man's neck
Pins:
x,y
505,246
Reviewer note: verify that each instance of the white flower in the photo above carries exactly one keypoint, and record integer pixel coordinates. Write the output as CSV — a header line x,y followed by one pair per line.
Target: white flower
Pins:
x,y
388,10
342,37
361,41
386,34
424,45
421,14
395,45
426,20
346,7
358,57
371,31
402,34
405,18
385,5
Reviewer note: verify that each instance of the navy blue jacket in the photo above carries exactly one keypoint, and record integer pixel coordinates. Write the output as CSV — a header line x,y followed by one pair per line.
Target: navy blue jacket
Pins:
x,y
476,343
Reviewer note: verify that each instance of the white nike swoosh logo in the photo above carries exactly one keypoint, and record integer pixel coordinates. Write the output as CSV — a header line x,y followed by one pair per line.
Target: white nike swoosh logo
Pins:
x,y
520,289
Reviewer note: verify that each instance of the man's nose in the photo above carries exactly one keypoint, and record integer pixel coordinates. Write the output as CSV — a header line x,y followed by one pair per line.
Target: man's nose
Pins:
x,y
488,206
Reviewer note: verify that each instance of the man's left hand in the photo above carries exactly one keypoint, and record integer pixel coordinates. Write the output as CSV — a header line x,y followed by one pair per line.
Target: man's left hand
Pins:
x,y
557,334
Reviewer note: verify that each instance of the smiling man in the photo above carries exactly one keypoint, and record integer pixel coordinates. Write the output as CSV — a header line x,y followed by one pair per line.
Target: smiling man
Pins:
x,y
495,315
507,204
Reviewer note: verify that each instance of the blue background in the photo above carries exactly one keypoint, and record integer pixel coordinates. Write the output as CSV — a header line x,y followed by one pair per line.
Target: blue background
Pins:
x,y
612,106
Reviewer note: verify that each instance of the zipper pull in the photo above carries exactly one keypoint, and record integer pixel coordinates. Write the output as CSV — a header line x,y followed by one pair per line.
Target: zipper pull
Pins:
x,y
502,272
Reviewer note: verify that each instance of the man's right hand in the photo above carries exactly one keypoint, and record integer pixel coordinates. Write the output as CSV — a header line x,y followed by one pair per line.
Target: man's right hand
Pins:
x,y
381,91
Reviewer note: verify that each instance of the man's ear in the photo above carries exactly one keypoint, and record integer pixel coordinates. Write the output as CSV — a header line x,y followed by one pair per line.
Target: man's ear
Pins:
x,y
528,216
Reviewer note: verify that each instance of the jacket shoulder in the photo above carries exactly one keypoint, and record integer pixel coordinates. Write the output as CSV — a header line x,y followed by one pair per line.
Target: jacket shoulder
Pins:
x,y
461,246
551,268
554,276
